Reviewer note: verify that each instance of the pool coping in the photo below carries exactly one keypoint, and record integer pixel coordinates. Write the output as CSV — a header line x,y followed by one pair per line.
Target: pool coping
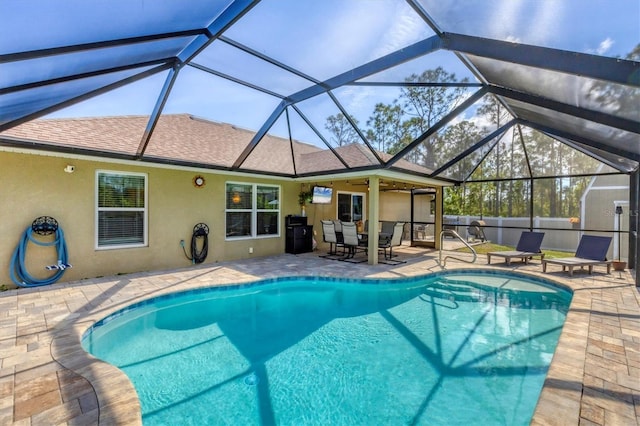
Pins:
x,y
577,387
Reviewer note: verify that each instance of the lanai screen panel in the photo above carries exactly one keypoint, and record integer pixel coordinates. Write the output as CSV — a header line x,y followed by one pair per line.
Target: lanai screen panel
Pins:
x,y
596,95
462,170
20,104
225,58
549,157
76,22
611,162
65,65
325,38
81,37
602,135
218,99
565,24
444,59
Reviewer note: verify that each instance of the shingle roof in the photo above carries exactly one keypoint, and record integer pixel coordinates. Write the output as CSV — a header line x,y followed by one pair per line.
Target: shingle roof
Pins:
x,y
190,139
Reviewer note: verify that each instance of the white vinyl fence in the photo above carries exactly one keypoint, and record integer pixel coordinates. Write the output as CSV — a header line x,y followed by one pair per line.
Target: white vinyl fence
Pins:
x,y
566,237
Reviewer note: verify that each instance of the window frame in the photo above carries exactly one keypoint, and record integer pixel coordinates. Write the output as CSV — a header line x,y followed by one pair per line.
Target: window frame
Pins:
x,y
99,209
351,195
254,211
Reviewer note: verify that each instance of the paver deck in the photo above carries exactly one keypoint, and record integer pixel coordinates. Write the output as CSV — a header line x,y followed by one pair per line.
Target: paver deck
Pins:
x,y
47,378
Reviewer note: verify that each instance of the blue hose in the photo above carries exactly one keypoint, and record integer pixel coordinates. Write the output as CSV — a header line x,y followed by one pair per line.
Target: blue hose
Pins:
x,y
18,270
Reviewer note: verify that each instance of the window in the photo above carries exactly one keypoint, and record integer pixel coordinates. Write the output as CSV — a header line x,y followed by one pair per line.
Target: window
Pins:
x,y
252,210
121,214
350,206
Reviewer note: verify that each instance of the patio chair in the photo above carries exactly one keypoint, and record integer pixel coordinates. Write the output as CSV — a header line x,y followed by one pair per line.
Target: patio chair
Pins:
x,y
386,227
389,243
329,236
528,247
337,224
352,243
592,250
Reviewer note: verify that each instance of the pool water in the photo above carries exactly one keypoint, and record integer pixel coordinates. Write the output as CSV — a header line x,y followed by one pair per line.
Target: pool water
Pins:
x,y
450,348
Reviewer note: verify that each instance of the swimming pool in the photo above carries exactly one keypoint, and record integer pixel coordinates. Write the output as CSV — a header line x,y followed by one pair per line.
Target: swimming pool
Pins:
x,y
448,348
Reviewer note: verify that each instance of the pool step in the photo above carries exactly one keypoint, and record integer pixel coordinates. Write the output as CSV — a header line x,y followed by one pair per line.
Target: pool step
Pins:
x,y
451,289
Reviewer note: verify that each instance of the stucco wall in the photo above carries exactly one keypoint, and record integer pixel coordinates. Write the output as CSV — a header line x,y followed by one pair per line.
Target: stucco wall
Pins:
x,y
34,185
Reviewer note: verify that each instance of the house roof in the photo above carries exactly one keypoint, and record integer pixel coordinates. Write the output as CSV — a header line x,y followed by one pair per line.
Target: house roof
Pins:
x,y
185,139
279,70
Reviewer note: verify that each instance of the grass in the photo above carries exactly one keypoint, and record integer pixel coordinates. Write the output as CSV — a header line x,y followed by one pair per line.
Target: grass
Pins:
x,y
484,248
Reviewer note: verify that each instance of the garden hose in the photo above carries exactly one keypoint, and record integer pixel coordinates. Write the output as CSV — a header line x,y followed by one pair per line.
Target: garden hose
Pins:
x,y
17,269
201,230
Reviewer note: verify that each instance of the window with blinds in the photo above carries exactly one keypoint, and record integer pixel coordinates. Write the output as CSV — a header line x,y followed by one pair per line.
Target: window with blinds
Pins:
x,y
121,214
252,210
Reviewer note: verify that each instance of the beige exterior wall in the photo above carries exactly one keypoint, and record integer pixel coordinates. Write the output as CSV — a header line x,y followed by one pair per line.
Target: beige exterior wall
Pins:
x,y
395,206
35,185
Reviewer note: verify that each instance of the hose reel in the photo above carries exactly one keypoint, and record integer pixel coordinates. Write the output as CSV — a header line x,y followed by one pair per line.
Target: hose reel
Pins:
x,y
43,226
200,232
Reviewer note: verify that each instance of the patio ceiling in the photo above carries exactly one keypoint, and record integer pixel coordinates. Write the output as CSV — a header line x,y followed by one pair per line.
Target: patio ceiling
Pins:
x,y
279,70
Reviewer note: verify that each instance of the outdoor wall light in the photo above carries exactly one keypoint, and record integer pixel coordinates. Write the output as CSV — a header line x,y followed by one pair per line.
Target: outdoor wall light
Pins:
x,y
198,181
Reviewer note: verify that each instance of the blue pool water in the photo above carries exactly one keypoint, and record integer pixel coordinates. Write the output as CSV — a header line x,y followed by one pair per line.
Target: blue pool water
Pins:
x,y
449,348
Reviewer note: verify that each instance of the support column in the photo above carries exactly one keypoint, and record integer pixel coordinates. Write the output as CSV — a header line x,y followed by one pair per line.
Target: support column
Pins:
x,y
374,218
439,214
634,223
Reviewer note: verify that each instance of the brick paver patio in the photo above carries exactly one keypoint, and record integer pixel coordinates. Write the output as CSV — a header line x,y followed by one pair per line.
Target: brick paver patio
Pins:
x,y
46,377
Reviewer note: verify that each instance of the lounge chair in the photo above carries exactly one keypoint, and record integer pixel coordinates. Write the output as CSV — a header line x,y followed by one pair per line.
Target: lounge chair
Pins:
x,y
528,247
592,250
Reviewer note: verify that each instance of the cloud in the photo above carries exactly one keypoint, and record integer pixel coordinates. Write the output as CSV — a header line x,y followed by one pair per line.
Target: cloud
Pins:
x,y
602,49
604,46
404,28
545,21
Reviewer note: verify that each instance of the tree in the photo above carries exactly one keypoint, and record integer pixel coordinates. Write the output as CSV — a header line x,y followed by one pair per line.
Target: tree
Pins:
x,y
342,131
425,105
385,126
496,115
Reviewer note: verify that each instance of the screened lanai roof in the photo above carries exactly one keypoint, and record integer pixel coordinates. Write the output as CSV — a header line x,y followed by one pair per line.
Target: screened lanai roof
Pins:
x,y
424,87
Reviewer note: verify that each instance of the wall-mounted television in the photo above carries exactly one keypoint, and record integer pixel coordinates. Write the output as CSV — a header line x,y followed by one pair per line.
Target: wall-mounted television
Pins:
x,y
321,195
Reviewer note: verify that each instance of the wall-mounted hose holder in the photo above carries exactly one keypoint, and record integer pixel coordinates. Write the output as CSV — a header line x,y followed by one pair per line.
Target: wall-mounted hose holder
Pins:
x,y
200,232
44,225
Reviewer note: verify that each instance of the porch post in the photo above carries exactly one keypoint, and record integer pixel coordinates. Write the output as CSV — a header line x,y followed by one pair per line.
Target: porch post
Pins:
x,y
437,228
634,223
374,218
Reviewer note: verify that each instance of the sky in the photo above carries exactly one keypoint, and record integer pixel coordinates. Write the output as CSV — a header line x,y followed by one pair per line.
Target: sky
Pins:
x,y
320,38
